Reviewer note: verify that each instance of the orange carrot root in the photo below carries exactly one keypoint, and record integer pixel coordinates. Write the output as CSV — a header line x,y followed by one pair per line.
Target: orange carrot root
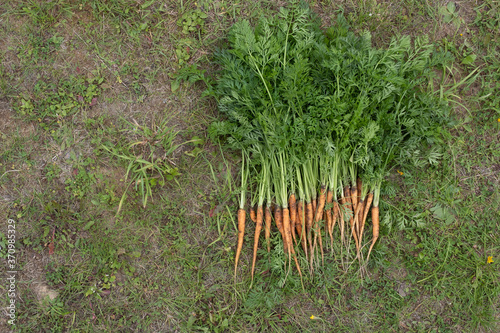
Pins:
x,y
267,230
359,185
292,205
314,206
329,216
354,197
258,228
376,226
241,233
278,217
318,218
288,232
369,201
286,221
342,222
253,214
301,225
356,223
309,222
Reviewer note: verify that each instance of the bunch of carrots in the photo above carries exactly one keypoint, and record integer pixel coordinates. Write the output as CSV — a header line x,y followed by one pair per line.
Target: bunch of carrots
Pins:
x,y
306,215
320,118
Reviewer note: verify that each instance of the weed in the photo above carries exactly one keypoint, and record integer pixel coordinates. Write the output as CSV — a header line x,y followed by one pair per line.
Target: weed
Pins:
x,y
450,14
183,50
52,171
147,159
51,103
192,21
83,180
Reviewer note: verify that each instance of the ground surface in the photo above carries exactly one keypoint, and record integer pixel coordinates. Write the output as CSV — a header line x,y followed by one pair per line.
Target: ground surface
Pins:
x,y
79,76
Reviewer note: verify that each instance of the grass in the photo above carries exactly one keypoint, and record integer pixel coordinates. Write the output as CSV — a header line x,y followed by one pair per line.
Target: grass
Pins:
x,y
75,74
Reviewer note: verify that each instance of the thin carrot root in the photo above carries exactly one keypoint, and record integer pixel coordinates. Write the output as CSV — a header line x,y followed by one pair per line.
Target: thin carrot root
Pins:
x,y
241,233
342,222
292,205
288,233
308,224
348,199
354,197
329,217
334,220
376,226
353,233
356,222
361,206
267,230
258,228
318,218
300,226
313,201
278,217
368,203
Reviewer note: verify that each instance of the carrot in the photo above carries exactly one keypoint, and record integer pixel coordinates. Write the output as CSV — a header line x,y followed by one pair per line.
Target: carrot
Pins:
x,y
329,218
319,217
241,233
300,225
292,204
353,233
258,228
348,199
359,195
341,213
348,205
376,226
354,197
335,214
308,224
298,222
287,231
368,203
334,220
253,215
356,222
359,217
278,217
314,206
352,219
359,184
267,230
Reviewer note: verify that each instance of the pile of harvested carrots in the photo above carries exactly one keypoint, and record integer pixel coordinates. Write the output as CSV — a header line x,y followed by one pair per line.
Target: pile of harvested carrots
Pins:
x,y
309,218
321,117
300,221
